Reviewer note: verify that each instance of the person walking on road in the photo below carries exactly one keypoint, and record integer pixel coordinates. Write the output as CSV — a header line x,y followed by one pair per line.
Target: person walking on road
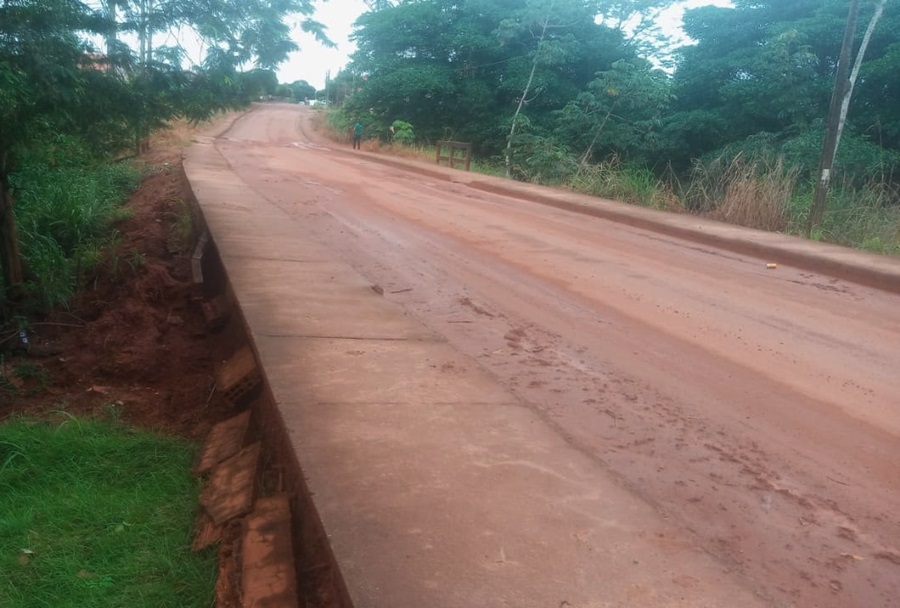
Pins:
x,y
357,135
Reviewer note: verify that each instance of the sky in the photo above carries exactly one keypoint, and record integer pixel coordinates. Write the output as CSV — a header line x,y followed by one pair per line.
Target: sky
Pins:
x,y
313,61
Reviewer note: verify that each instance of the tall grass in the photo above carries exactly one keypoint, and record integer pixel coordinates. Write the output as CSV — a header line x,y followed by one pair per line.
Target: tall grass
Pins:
x,y
64,215
751,192
94,514
863,217
766,194
635,184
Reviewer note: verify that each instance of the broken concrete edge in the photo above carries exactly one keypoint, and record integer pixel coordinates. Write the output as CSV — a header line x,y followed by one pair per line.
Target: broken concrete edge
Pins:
x,y
223,441
268,571
197,257
312,549
868,269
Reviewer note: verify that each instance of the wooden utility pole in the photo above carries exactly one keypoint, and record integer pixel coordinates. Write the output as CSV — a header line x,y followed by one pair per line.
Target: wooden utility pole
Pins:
x,y
834,126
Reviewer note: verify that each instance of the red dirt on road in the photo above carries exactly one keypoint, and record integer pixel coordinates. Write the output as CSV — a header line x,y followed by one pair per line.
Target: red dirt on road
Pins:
x,y
757,408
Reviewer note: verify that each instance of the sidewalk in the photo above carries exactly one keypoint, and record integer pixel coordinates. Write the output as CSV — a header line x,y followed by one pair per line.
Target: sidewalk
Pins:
x,y
434,485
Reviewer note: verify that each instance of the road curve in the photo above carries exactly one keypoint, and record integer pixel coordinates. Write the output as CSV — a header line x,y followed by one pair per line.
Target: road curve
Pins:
x,y
756,409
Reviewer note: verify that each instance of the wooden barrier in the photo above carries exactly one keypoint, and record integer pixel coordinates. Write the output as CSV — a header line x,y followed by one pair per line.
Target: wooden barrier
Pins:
x,y
451,158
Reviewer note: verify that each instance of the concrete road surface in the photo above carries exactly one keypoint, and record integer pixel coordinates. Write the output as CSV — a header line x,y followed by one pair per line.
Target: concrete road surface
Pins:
x,y
500,402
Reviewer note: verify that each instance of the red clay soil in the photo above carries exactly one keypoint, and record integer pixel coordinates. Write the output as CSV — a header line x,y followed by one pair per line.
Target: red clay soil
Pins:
x,y
135,339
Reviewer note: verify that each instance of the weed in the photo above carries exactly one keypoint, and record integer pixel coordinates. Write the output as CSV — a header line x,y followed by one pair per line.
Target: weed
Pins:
x,y
35,375
867,217
182,222
7,388
136,260
113,413
625,182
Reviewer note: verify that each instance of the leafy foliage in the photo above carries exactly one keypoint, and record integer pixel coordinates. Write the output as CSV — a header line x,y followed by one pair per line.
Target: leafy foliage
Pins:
x,y
403,132
458,70
768,67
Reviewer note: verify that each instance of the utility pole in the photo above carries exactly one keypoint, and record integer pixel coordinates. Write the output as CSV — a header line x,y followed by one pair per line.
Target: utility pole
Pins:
x,y
834,126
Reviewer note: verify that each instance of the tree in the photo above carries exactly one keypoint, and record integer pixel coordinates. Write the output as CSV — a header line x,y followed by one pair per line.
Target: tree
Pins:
x,y
543,25
457,70
618,113
766,68
301,90
41,60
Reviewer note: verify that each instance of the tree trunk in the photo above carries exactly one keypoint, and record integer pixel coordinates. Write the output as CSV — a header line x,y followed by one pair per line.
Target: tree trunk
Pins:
x,y
590,149
857,65
537,56
835,123
13,271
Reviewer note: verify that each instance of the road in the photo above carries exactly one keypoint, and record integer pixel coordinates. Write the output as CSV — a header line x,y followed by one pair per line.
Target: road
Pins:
x,y
757,408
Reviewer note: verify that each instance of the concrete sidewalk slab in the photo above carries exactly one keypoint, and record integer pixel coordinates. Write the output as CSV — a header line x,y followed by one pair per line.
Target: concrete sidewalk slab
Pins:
x,y
378,371
334,302
290,249
475,506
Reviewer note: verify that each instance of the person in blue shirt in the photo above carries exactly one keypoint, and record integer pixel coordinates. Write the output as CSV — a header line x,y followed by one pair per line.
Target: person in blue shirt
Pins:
x,y
357,135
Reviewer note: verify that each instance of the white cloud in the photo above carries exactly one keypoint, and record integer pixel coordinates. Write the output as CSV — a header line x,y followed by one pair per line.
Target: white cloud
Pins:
x,y
313,60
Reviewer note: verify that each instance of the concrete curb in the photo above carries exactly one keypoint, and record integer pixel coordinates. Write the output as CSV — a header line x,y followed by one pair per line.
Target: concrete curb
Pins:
x,y
868,269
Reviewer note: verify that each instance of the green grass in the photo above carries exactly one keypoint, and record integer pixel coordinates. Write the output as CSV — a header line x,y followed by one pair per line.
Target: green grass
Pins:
x,y
93,514
64,216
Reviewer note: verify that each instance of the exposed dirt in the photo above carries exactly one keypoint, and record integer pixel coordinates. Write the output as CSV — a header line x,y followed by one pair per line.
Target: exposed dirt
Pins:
x,y
135,340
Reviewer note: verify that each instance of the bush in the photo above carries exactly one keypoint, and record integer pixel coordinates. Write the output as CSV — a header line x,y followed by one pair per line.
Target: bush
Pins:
x,y
541,160
402,133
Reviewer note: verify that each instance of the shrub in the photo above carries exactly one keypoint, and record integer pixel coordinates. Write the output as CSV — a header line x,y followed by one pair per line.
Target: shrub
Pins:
x,y
402,133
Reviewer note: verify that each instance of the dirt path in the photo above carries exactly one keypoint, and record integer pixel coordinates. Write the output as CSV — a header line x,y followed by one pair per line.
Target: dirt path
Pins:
x,y
756,408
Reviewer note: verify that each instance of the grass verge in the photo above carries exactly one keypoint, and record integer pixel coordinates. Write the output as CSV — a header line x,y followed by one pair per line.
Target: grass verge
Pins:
x,y
93,514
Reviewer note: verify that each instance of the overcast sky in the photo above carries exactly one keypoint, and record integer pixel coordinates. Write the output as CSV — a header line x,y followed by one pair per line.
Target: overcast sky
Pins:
x,y
313,60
